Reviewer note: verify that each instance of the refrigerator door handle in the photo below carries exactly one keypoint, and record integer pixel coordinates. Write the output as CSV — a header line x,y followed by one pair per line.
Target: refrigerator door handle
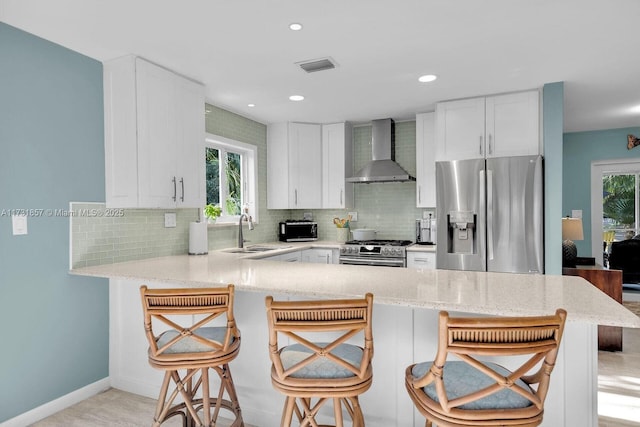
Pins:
x,y
490,223
483,205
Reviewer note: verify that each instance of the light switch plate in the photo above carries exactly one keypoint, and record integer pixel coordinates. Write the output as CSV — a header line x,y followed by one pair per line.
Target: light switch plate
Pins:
x,y
169,219
19,223
354,216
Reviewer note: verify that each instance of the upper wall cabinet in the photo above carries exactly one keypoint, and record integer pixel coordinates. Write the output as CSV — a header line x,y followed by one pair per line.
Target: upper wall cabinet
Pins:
x,y
294,166
337,166
307,165
493,126
425,160
154,136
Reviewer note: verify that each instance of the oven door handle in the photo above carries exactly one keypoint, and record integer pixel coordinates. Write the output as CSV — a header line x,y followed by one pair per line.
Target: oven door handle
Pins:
x,y
387,262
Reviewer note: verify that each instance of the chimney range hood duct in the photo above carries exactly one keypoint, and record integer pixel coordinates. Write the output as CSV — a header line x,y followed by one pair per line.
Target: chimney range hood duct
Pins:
x,y
382,167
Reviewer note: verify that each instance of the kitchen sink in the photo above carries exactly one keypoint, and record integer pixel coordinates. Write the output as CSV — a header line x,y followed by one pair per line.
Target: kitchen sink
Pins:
x,y
255,249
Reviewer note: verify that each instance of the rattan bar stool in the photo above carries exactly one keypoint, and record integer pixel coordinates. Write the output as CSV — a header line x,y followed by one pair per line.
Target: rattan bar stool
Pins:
x,y
471,392
196,333
311,373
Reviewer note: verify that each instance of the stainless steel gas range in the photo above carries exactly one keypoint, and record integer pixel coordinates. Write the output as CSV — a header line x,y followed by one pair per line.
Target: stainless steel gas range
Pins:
x,y
384,253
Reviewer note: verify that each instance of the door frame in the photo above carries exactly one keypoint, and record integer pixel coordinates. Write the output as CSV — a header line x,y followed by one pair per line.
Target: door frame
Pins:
x,y
598,168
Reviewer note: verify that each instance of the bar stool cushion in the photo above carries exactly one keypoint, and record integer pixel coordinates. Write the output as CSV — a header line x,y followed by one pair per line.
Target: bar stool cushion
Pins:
x,y
190,345
461,379
321,367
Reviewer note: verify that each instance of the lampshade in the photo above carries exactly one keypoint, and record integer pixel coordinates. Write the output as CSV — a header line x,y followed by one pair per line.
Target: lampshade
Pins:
x,y
572,229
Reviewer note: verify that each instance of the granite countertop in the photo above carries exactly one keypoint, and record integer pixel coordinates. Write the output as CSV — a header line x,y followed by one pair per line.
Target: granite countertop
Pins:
x,y
462,291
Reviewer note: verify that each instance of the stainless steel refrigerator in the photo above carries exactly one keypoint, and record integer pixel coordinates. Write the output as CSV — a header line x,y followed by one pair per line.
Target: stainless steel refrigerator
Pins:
x,y
490,215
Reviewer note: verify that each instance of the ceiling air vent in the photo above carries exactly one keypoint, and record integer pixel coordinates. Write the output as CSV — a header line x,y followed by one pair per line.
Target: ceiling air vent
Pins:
x,y
317,65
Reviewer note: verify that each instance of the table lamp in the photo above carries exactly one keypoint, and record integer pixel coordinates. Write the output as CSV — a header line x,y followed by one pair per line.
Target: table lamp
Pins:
x,y
571,230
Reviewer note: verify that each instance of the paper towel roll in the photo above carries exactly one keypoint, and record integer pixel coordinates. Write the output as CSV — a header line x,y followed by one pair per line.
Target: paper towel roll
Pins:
x,y
198,240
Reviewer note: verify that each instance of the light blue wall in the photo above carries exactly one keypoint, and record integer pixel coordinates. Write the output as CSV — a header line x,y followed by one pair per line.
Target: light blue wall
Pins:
x,y
580,150
553,123
54,326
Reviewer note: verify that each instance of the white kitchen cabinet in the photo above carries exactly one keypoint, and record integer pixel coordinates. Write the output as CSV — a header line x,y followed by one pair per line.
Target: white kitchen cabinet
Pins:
x,y
154,136
421,260
425,160
294,166
320,256
492,126
337,166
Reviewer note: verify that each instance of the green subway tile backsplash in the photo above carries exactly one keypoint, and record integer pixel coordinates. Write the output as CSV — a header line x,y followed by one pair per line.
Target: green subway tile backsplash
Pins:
x,y
136,234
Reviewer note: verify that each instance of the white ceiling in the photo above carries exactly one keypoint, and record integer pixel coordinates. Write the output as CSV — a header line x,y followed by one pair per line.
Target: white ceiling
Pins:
x,y
244,53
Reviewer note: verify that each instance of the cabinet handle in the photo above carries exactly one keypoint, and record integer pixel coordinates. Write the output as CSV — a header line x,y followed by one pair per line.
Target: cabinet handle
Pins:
x,y
182,185
480,145
341,191
175,190
419,194
296,197
327,259
490,148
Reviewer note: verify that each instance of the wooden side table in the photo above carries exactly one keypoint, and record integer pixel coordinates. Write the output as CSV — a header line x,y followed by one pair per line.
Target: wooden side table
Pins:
x,y
609,282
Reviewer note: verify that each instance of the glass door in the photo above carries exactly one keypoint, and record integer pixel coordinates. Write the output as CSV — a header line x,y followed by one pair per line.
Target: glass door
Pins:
x,y
615,207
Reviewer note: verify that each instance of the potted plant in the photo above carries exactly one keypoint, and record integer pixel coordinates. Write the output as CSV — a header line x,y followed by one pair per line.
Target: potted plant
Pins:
x,y
212,212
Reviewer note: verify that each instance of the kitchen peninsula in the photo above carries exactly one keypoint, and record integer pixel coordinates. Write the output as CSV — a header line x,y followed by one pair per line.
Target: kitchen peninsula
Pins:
x,y
407,302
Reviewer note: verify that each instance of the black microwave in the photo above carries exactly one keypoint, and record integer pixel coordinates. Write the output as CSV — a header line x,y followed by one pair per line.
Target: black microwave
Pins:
x,y
297,230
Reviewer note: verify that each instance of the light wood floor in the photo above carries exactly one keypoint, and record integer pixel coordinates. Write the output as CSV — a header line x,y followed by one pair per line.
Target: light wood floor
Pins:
x,y
110,409
619,380
619,383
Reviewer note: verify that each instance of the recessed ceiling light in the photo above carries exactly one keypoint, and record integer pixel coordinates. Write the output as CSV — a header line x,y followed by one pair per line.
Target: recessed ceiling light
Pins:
x,y
635,110
427,78
296,97
251,105
295,26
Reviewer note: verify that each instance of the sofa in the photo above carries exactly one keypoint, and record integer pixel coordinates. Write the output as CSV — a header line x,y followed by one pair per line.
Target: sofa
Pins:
x,y
625,256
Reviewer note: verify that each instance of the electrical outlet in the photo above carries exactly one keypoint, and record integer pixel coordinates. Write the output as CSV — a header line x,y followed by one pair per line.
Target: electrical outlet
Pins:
x,y
169,220
427,212
354,216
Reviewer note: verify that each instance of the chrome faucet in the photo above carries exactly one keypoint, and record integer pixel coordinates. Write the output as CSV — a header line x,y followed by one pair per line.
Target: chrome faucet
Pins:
x,y
240,238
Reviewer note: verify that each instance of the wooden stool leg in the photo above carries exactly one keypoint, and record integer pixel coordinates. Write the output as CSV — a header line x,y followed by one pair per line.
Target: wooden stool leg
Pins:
x,y
206,402
157,419
227,380
337,411
353,406
287,413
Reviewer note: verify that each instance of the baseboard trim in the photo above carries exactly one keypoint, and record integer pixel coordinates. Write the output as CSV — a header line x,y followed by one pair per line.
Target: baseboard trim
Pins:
x,y
57,405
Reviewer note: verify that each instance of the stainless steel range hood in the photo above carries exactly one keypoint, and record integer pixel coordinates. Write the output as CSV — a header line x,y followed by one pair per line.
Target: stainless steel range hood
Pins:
x,y
382,167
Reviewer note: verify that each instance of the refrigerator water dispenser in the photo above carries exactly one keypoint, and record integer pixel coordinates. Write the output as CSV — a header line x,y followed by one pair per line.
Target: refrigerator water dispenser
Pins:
x,y
462,232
